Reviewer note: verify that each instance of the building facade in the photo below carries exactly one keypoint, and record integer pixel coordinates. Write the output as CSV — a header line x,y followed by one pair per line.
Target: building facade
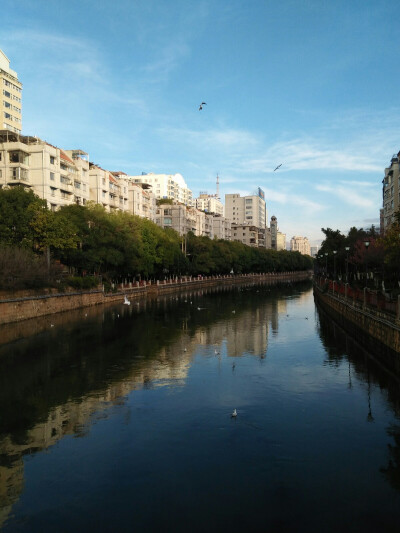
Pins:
x,y
166,187
249,235
246,209
300,244
11,97
391,192
210,203
278,239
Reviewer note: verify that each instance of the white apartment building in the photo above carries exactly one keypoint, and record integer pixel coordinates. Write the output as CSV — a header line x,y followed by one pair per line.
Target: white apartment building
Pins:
x,y
210,203
58,176
142,201
107,190
11,97
300,244
166,187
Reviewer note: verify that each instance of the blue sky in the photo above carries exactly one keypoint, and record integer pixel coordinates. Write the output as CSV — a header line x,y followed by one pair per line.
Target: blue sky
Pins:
x,y
310,84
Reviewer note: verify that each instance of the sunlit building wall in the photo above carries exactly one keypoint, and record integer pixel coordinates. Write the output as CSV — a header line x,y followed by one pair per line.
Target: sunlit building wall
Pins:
x,y
11,97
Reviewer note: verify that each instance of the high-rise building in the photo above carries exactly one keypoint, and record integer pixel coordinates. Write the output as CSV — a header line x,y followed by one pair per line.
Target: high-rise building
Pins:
x,y
247,209
300,244
11,97
278,239
391,191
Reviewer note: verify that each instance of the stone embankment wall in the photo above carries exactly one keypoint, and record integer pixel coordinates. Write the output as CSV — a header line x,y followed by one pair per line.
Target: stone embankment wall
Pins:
x,y
377,331
25,305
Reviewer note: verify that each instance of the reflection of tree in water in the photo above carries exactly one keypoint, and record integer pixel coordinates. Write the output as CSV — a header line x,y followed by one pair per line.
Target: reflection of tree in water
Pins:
x,y
340,346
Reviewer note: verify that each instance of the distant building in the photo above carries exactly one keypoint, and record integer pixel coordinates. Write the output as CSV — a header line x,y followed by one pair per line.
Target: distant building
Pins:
x,y
391,192
11,97
246,209
314,251
222,228
278,239
250,235
300,244
166,187
107,190
210,203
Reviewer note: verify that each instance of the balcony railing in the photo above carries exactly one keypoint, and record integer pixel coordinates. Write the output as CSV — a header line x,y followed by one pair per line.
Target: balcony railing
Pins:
x,y
18,174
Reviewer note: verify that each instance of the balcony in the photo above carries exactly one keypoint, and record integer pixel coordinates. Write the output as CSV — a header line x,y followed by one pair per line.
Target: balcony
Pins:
x,y
18,175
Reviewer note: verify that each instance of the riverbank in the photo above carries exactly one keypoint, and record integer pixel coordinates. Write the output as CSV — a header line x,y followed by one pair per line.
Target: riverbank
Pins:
x,y
17,307
371,327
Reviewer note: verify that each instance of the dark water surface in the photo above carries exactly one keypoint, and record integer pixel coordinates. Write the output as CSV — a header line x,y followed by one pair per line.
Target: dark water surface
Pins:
x,y
119,419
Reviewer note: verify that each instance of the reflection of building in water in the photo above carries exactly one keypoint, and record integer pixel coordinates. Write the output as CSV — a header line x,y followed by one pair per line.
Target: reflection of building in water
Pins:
x,y
170,365
246,332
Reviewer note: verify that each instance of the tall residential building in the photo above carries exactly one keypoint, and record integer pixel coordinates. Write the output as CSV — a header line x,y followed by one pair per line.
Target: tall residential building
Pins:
x,y
166,186
11,97
391,192
246,209
300,244
107,190
210,203
250,235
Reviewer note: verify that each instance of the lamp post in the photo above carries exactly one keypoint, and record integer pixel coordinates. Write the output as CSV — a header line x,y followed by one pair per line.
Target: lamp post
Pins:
x,y
334,264
366,244
347,248
326,263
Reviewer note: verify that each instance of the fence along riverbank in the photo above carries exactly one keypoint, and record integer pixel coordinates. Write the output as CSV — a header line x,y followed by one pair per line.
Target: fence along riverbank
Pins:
x,y
371,319
27,305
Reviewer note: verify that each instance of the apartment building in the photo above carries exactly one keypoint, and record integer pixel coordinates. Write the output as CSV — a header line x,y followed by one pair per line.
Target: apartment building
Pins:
x,y
58,176
391,192
11,97
210,203
142,201
246,209
249,235
222,228
300,244
166,187
107,190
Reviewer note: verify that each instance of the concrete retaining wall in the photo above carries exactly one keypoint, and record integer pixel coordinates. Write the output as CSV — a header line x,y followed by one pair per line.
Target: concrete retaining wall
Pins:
x,y
377,331
23,306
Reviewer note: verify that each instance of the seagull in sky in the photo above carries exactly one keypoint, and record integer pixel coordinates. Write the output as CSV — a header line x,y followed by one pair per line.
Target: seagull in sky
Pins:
x,y
201,105
277,167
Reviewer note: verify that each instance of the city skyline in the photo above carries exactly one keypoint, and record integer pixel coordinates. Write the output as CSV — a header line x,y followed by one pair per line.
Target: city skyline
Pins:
x,y
305,86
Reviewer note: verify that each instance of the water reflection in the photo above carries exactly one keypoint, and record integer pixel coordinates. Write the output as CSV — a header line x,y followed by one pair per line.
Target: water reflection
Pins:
x,y
371,372
51,384
64,380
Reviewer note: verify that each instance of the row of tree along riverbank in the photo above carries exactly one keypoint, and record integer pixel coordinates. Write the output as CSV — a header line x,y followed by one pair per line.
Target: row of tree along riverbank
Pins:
x,y
24,305
39,247
371,321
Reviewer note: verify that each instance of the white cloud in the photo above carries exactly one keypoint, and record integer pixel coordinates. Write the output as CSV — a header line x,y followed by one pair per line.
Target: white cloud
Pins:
x,y
349,195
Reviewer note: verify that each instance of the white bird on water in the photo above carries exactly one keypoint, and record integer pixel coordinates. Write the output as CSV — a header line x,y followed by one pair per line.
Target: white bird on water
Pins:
x,y
126,301
234,414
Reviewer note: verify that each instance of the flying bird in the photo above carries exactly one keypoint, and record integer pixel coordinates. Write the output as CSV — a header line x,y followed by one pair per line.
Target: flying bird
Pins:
x,y
201,105
277,167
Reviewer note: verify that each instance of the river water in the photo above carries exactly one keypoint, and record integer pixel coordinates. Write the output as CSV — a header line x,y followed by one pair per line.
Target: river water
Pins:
x,y
119,419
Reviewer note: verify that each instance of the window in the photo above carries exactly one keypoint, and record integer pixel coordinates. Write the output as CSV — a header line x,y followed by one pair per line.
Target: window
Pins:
x,y
53,191
52,176
7,115
64,195
52,160
6,104
53,207
6,93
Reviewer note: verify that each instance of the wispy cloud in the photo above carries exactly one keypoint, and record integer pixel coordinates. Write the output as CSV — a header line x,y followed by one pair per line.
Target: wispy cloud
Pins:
x,y
348,195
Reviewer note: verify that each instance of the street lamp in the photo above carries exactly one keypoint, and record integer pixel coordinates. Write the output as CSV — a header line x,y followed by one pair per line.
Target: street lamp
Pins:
x,y
326,263
347,248
366,243
334,264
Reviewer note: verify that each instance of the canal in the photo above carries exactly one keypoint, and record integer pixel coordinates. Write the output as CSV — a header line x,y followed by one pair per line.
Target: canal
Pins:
x,y
119,419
